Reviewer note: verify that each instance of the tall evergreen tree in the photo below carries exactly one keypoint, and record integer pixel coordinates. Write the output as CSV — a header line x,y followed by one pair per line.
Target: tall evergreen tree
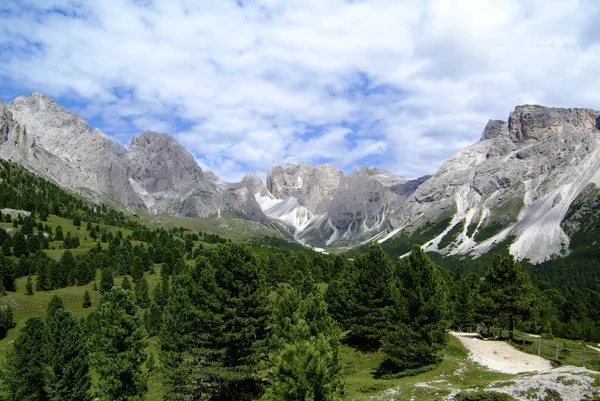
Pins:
x,y
305,342
506,291
23,374
29,286
68,376
141,292
118,348
87,300
106,280
153,318
365,299
126,284
19,244
416,339
55,304
6,247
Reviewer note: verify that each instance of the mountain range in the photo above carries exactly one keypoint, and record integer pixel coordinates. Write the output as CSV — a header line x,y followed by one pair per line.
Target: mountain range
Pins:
x,y
530,183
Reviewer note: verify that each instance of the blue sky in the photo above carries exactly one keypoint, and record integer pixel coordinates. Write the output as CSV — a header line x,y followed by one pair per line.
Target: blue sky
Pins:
x,y
245,85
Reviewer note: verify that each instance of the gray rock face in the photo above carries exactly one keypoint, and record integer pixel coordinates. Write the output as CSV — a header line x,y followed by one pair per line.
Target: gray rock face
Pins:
x,y
68,153
494,129
517,182
312,186
155,172
321,206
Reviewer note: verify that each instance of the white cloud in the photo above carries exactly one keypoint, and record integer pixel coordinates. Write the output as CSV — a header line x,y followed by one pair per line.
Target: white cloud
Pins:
x,y
400,84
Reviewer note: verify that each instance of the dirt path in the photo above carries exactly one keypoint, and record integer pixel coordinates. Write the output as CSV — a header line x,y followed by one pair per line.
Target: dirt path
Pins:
x,y
500,356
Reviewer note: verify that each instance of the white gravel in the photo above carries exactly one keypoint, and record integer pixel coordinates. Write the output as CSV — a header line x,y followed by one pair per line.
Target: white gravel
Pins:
x,y
500,356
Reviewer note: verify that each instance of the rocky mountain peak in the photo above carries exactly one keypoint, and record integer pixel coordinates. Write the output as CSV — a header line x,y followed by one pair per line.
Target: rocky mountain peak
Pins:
x,y
312,186
534,121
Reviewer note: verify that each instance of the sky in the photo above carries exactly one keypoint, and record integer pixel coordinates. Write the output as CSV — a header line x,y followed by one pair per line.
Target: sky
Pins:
x,y
245,85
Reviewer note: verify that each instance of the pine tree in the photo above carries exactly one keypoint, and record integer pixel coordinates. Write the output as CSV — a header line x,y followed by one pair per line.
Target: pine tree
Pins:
x,y
241,335
153,319
19,244
55,304
87,300
106,280
126,284
7,273
29,286
141,293
365,299
66,358
6,247
119,348
506,291
24,373
415,339
305,342
180,342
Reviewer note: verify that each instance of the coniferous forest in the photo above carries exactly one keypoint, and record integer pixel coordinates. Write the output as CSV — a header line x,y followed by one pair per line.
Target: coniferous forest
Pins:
x,y
211,319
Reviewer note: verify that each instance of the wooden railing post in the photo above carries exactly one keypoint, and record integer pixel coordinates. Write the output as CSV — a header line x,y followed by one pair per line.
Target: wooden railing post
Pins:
x,y
556,359
540,346
584,357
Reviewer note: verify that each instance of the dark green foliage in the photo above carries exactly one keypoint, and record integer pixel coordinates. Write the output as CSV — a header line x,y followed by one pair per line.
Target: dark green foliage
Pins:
x,y
365,300
87,300
118,348
68,376
6,320
482,395
506,291
19,244
24,373
141,292
7,273
55,304
106,280
58,235
305,340
77,221
6,247
416,339
215,349
29,286
153,319
126,284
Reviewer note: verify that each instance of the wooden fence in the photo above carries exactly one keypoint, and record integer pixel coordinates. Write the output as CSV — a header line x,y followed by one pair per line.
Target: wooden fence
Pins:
x,y
586,356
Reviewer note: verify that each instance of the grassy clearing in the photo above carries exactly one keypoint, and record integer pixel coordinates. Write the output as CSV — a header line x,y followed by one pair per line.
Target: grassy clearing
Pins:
x,y
455,372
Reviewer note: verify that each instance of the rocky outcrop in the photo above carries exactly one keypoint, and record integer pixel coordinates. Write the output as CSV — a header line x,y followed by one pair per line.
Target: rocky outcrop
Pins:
x,y
516,185
321,206
155,173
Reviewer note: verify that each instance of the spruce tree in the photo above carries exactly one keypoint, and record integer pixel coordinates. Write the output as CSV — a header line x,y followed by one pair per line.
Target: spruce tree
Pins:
x,y
371,298
24,373
126,284
6,247
68,376
180,343
153,319
415,339
29,286
19,244
141,293
506,291
106,280
305,340
242,333
118,348
55,304
87,300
